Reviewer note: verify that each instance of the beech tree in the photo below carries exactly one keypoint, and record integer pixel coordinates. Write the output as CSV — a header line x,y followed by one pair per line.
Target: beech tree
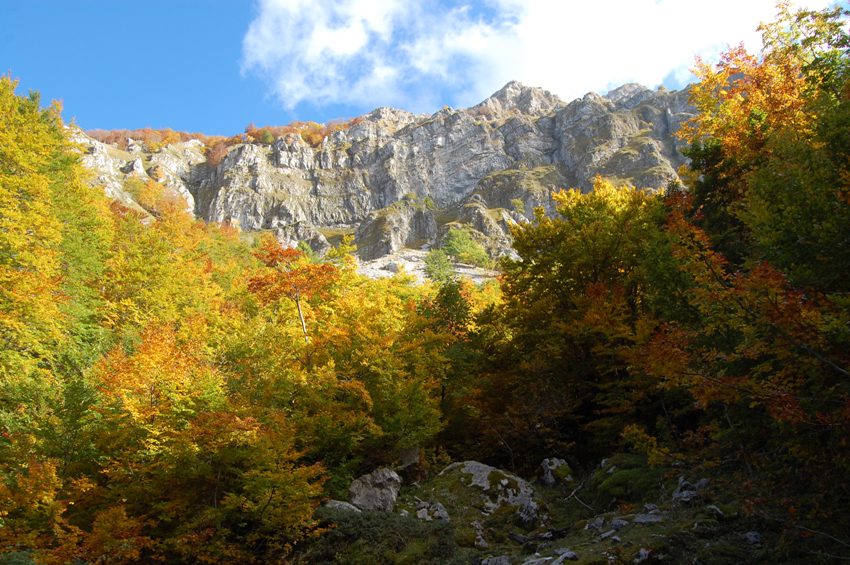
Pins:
x,y
30,235
289,274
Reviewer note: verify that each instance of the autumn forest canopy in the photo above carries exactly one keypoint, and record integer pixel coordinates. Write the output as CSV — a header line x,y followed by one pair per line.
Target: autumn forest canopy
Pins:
x,y
174,391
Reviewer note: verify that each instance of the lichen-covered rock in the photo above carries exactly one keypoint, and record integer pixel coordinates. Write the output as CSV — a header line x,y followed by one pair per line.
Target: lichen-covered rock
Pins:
x,y
342,505
377,490
554,471
495,489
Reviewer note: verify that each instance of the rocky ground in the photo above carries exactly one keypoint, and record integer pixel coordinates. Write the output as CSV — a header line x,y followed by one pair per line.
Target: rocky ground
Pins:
x,y
411,261
621,512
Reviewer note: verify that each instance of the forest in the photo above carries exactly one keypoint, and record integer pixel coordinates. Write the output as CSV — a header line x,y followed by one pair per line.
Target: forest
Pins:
x,y
177,391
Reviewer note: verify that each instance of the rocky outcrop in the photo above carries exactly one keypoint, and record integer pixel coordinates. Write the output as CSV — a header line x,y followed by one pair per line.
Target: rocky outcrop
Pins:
x,y
491,490
342,506
553,471
179,167
405,223
376,491
397,178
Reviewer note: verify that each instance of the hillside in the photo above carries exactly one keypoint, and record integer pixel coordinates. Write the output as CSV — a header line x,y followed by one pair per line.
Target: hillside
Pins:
x,y
654,376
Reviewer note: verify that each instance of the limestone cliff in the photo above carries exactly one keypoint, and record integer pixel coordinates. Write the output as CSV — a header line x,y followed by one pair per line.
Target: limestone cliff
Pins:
x,y
396,179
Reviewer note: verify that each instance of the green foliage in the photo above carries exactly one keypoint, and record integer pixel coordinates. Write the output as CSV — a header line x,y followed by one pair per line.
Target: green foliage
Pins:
x,y
518,205
460,245
305,248
572,307
628,478
379,537
438,267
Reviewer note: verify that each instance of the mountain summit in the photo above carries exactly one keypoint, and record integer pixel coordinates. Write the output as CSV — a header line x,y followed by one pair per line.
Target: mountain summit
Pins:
x,y
516,97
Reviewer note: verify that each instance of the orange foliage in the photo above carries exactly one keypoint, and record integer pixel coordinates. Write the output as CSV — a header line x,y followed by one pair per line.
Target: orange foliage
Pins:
x,y
159,376
311,132
153,139
291,275
745,98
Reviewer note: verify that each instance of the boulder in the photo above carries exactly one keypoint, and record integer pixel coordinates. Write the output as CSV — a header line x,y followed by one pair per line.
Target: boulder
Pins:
x,y
648,519
429,511
565,554
554,470
537,560
497,488
500,560
376,491
619,523
342,505
595,524
686,492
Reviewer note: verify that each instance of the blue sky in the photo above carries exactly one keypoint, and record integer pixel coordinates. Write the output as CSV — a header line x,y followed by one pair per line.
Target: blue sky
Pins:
x,y
216,65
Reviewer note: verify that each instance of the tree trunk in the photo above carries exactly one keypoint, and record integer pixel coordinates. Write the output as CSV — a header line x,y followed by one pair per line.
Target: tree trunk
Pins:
x,y
303,323
304,331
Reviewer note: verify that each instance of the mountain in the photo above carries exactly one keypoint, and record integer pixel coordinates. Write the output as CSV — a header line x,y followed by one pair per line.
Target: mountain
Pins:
x,y
399,181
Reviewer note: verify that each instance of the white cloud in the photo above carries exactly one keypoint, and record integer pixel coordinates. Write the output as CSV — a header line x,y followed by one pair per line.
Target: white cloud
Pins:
x,y
367,53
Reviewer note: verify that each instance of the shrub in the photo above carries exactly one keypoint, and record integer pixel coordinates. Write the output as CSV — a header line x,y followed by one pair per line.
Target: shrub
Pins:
x,y
438,266
459,244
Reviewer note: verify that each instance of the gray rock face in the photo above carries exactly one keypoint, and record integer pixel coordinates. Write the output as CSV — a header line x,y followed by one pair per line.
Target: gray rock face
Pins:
x,y
487,166
291,235
175,166
376,491
403,224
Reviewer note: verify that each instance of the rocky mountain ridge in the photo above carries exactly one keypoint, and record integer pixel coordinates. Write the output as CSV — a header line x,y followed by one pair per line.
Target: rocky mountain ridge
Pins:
x,y
397,180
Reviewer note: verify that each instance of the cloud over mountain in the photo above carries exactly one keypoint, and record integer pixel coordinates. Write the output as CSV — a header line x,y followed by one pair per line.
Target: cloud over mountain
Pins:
x,y
418,55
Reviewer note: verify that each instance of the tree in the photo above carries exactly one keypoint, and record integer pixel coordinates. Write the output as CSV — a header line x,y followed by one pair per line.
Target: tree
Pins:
x,y
290,275
555,375
769,157
761,238
30,235
438,267
460,245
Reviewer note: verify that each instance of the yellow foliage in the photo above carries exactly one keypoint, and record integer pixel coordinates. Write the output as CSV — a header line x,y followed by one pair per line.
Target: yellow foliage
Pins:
x,y
29,233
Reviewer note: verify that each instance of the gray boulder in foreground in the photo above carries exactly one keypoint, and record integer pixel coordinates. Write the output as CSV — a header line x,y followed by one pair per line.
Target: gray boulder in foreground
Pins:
x,y
377,490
